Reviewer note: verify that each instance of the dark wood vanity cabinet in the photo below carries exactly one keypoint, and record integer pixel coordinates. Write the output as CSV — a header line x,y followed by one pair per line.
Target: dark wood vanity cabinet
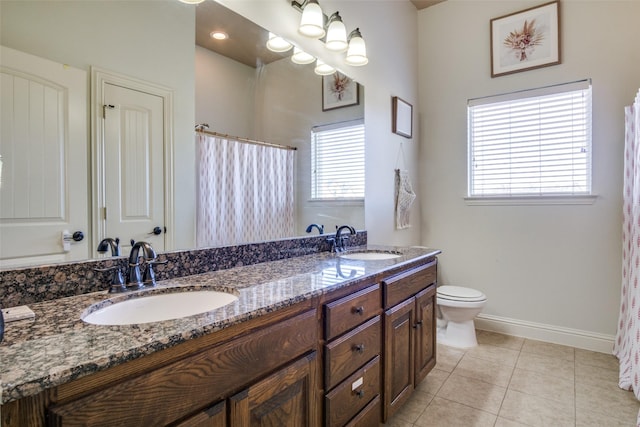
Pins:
x,y
409,333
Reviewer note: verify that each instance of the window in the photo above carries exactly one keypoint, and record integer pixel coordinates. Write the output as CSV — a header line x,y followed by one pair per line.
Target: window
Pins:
x,y
533,143
337,161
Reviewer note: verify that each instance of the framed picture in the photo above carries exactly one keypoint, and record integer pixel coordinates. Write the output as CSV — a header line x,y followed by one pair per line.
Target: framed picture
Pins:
x,y
401,117
338,91
525,40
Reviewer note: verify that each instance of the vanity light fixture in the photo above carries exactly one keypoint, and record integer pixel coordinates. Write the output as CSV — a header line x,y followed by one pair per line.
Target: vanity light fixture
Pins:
x,y
336,34
323,69
312,21
277,43
219,35
357,53
301,57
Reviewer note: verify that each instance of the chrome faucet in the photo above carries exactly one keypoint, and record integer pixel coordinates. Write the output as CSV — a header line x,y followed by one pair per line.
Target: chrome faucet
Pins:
x,y
319,227
339,242
135,278
109,243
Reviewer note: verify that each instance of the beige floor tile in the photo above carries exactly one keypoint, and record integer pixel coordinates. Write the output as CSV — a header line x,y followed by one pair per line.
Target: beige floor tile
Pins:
x,y
443,412
472,392
546,365
433,381
618,404
503,422
484,370
543,385
596,376
414,407
549,349
593,358
396,422
448,357
536,411
499,340
586,418
494,354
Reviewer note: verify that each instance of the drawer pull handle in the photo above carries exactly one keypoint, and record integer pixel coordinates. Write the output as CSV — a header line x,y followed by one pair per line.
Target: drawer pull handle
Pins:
x,y
360,393
358,310
417,324
359,348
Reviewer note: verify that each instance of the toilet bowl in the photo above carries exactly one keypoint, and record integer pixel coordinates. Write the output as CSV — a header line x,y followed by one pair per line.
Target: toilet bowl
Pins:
x,y
457,307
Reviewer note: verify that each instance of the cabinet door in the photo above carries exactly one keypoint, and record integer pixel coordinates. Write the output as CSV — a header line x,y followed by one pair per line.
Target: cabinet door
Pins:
x,y
425,333
215,416
285,399
399,356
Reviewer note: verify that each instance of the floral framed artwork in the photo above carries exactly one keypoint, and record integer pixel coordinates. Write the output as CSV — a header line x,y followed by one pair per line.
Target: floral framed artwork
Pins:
x,y
401,117
525,40
339,91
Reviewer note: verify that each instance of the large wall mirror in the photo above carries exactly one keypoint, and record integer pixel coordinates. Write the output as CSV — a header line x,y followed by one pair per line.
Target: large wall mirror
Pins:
x,y
257,97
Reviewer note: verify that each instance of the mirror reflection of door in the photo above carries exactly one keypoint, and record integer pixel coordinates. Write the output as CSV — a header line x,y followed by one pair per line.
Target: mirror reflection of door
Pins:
x,y
133,167
43,149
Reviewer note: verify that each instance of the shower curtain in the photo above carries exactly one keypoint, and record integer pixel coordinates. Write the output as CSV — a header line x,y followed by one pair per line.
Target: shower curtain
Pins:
x,y
627,344
245,192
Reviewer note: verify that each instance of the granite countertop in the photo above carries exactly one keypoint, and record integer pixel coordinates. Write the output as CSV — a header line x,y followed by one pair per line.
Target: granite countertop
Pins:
x,y
57,346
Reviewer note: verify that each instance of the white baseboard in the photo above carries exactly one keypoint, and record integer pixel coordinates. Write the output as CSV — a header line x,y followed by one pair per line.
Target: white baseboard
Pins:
x,y
554,334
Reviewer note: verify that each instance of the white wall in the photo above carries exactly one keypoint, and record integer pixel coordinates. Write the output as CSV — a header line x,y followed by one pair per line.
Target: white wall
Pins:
x,y
555,266
151,40
392,71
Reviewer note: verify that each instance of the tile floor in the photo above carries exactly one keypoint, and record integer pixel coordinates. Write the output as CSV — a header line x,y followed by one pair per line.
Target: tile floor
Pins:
x,y
508,381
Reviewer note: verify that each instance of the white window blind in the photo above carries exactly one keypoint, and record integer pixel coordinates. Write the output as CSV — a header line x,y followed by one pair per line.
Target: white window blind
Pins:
x,y
531,143
337,161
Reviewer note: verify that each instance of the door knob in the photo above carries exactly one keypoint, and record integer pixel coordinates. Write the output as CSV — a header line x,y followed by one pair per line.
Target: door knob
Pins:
x,y
156,231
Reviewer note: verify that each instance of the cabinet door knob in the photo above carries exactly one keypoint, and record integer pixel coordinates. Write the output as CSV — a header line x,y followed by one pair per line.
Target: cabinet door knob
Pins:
x,y
358,310
417,324
360,393
359,348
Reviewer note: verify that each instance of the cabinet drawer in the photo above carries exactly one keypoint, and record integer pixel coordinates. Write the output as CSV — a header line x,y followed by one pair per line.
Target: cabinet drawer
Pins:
x,y
171,392
369,416
352,395
348,312
401,286
350,351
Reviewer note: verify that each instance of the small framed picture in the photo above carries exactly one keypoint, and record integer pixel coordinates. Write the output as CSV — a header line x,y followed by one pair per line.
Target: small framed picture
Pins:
x,y
401,117
525,40
339,91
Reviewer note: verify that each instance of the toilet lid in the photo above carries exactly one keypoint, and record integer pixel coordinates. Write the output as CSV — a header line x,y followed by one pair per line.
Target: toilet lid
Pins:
x,y
460,293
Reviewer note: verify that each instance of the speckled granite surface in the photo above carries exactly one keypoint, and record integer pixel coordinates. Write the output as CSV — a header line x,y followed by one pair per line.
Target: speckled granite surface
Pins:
x,y
57,346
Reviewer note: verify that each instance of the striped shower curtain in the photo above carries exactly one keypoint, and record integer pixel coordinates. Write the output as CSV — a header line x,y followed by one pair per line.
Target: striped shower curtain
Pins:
x,y
245,192
627,344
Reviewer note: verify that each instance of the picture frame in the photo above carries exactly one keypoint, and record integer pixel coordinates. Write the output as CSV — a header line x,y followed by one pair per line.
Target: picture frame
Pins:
x,y
525,40
401,117
338,91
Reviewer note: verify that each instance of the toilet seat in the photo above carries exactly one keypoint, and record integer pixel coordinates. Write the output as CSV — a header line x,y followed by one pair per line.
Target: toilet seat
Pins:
x,y
459,293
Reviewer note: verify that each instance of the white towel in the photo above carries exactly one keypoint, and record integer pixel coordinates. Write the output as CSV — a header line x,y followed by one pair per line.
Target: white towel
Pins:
x,y
404,199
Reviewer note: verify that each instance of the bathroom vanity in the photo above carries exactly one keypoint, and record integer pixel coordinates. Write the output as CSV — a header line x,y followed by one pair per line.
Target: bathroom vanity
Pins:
x,y
312,340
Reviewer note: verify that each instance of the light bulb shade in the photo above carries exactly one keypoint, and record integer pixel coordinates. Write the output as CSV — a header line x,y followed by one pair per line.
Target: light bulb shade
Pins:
x,y
301,57
357,53
277,43
312,21
336,34
323,69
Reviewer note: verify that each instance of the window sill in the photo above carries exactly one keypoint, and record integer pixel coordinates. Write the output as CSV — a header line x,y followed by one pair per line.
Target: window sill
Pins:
x,y
338,202
587,199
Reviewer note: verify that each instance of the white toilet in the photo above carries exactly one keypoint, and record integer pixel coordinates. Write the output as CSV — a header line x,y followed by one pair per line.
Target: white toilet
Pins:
x,y
457,307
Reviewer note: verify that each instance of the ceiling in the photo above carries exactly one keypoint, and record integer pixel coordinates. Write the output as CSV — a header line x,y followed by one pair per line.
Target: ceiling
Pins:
x,y
247,41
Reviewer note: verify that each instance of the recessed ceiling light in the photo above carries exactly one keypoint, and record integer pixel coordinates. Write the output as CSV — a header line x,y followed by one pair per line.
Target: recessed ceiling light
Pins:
x,y
219,35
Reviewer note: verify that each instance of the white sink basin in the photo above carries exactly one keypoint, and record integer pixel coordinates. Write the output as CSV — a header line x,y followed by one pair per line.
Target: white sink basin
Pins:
x,y
370,255
159,307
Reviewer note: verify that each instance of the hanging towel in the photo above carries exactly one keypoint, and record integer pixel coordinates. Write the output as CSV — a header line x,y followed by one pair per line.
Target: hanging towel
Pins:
x,y
404,199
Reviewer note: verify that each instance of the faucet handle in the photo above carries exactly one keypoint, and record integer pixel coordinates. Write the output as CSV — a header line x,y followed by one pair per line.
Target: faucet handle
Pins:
x,y
117,279
149,278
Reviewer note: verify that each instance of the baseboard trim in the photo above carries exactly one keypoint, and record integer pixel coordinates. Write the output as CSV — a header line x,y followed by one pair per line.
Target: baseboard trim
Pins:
x,y
539,331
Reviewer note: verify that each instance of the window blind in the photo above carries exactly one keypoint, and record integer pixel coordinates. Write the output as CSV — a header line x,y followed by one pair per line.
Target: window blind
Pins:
x,y
337,160
531,143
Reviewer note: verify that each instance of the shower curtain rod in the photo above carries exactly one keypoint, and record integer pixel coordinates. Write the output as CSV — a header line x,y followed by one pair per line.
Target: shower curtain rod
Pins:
x,y
202,127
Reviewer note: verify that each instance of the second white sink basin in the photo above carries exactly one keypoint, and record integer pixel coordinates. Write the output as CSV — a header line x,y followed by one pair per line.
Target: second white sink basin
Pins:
x,y
370,255
159,307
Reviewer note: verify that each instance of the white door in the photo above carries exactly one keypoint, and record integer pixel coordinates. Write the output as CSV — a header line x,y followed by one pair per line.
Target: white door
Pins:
x,y
133,167
43,163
